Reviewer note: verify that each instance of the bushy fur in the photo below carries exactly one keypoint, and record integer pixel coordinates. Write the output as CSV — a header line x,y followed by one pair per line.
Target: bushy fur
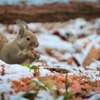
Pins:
x,y
18,50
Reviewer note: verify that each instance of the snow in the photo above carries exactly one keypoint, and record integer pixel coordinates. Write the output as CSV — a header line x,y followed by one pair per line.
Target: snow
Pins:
x,y
15,69
44,72
80,57
60,48
49,41
66,56
44,96
12,73
94,97
94,65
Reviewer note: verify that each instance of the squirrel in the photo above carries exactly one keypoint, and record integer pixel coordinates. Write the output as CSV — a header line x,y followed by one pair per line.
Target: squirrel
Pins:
x,y
21,48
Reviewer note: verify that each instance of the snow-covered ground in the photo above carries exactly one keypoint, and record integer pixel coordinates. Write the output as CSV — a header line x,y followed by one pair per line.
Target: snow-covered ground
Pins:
x,y
59,43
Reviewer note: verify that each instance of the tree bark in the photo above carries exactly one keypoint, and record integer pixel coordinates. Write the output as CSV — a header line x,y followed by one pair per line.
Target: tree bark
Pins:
x,y
49,12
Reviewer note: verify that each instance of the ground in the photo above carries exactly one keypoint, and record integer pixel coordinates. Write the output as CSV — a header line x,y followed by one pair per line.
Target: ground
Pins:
x,y
59,74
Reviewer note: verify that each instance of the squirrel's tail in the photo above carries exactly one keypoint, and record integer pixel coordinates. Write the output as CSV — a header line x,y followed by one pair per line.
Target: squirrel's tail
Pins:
x,y
3,41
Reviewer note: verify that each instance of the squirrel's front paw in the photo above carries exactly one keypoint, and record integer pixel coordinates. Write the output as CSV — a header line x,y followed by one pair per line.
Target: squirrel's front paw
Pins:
x,y
30,54
37,55
34,55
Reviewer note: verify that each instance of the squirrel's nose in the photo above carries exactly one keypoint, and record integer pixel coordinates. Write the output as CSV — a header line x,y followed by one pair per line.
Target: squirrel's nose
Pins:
x,y
37,44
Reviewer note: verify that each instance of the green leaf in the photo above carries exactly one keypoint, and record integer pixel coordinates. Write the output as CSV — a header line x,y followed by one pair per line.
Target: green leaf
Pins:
x,y
31,80
31,67
43,87
68,95
27,65
34,67
40,84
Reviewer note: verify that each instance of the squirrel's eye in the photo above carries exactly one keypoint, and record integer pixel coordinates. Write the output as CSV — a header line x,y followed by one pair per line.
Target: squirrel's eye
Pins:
x,y
28,39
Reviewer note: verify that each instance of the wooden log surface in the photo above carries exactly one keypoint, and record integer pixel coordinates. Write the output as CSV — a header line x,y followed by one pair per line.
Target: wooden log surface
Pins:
x,y
93,54
49,12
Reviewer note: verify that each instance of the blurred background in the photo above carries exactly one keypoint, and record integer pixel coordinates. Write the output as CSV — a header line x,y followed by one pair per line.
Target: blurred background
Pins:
x,y
68,32
38,2
48,10
66,29
31,2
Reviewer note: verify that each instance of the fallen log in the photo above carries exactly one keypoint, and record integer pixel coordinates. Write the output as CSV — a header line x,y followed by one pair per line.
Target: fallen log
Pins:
x,y
49,12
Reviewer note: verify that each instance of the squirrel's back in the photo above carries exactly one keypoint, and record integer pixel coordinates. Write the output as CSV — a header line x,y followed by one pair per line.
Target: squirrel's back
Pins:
x,y
3,40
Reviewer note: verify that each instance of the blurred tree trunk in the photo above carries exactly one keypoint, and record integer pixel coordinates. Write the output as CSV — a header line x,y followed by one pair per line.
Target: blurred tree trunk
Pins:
x,y
49,12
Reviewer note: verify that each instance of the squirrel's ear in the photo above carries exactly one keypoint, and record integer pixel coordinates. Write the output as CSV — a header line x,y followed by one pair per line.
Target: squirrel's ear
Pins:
x,y
21,32
19,23
22,24
25,24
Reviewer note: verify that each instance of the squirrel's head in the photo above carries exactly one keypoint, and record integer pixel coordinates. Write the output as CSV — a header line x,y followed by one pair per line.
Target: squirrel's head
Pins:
x,y
26,38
